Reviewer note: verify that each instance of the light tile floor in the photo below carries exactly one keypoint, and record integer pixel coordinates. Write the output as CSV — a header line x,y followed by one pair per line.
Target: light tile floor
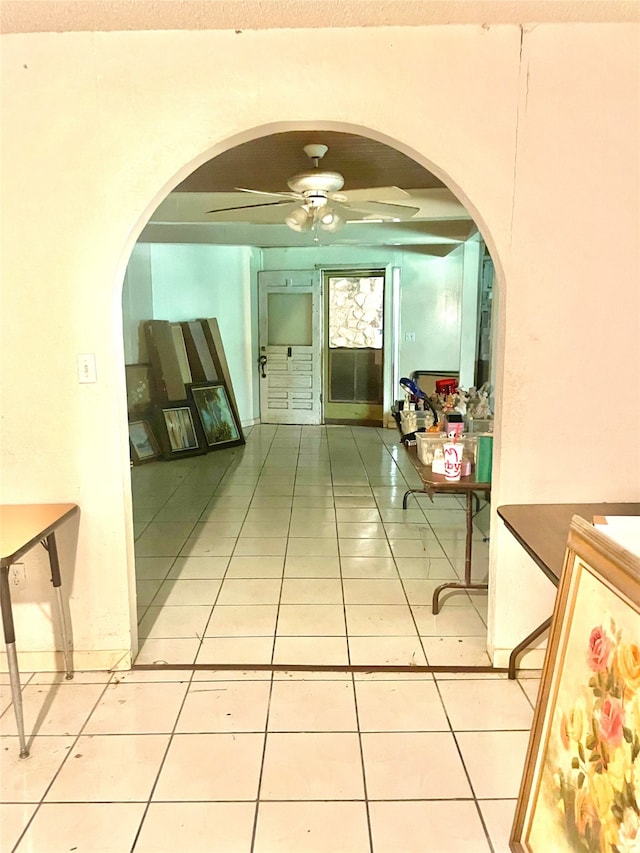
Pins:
x,y
295,549
214,761
291,550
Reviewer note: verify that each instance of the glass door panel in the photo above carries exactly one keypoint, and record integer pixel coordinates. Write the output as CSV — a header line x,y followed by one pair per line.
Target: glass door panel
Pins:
x,y
290,319
355,326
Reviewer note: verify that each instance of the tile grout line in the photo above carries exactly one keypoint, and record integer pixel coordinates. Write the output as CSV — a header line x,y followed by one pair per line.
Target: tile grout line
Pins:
x,y
177,556
161,766
344,600
254,829
284,563
364,772
393,557
464,766
224,577
72,746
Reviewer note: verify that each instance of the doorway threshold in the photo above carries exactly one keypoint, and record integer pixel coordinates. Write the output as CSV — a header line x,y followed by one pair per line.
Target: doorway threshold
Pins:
x,y
297,667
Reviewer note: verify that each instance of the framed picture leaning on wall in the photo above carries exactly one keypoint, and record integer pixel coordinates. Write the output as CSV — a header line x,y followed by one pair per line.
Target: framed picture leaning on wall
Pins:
x,y
140,395
580,789
179,429
142,442
216,415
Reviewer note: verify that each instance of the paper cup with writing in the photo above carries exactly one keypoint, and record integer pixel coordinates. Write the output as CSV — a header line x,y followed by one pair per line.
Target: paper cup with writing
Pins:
x,y
452,460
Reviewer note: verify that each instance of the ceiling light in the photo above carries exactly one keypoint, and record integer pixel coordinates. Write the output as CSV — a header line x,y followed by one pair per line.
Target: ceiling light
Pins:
x,y
316,213
330,221
300,219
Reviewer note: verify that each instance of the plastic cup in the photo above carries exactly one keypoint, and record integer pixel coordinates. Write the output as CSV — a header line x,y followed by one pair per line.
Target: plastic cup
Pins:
x,y
452,460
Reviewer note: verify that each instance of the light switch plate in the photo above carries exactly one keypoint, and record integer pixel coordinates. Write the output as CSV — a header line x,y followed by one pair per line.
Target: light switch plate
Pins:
x,y
86,367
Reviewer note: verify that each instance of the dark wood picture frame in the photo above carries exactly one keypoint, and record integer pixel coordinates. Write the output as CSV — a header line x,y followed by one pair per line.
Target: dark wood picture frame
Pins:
x,y
179,429
580,784
216,413
143,444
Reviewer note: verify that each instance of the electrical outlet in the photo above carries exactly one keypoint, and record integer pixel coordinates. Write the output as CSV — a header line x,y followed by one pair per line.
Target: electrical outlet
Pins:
x,y
409,336
17,575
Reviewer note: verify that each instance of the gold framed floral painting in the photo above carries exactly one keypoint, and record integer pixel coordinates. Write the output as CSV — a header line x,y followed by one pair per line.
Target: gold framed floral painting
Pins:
x,y
580,790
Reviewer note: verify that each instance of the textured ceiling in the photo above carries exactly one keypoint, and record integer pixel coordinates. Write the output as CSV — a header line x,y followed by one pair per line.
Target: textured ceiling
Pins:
x,y
268,162
24,16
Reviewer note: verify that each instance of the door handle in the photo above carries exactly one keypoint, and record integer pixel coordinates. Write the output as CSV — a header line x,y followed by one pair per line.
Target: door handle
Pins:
x,y
262,361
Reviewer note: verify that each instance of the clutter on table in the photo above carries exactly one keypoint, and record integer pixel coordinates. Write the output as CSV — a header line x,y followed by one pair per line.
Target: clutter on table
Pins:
x,y
451,429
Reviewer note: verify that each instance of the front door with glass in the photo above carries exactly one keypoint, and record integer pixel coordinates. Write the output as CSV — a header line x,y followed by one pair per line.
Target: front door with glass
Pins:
x,y
290,347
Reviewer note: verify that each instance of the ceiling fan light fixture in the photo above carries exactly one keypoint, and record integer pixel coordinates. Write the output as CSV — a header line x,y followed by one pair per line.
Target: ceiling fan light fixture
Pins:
x,y
300,219
331,221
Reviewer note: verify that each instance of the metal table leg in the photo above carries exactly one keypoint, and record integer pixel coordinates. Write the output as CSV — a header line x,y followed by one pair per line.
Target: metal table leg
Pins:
x,y
526,642
467,584
52,549
412,492
12,658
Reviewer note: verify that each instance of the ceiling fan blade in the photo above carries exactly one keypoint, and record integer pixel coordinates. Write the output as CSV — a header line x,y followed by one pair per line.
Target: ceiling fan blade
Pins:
x,y
375,210
250,206
381,194
273,195
273,212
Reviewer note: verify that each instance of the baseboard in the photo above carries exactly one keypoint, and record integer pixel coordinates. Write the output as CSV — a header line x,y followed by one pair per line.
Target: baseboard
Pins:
x,y
82,661
352,422
530,659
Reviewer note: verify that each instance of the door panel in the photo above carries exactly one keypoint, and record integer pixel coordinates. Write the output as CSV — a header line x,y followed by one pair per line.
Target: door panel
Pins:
x,y
355,351
290,340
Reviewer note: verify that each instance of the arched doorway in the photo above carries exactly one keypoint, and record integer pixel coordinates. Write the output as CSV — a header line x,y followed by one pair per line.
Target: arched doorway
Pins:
x,y
446,240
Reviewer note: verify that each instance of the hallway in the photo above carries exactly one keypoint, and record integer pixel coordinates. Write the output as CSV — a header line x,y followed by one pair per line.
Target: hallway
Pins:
x,y
295,550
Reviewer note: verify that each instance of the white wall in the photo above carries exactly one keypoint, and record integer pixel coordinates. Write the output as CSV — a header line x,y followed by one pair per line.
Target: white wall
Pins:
x,y
137,303
431,309
471,272
536,131
188,281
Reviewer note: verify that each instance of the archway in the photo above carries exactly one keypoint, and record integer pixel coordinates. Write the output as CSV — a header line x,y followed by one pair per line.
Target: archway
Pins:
x,y
258,132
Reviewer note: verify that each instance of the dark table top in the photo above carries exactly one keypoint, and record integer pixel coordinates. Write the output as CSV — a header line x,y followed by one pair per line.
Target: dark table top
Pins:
x,y
543,529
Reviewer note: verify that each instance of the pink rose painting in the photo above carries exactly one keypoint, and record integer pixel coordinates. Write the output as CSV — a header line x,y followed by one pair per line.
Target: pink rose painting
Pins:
x,y
596,779
611,722
580,790
599,650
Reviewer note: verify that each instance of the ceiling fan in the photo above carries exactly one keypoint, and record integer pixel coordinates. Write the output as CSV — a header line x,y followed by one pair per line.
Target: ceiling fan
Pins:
x,y
315,201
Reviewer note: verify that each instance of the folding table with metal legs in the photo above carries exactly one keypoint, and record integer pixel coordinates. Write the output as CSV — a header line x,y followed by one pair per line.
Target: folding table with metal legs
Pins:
x,y
433,484
21,527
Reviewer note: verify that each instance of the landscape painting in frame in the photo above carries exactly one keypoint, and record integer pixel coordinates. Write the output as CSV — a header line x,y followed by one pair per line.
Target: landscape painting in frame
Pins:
x,y
580,791
181,434
216,415
144,447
